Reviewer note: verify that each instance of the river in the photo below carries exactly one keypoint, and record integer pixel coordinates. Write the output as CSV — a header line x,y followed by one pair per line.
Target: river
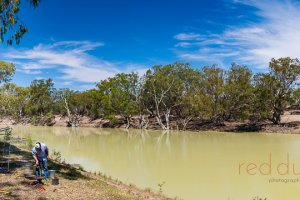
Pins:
x,y
188,165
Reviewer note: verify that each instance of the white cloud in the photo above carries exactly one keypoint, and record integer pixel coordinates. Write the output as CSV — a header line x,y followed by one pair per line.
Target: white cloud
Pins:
x,y
187,36
39,77
70,60
275,35
67,83
26,71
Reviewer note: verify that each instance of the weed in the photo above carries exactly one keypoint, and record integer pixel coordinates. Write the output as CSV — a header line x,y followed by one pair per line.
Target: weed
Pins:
x,y
29,141
56,155
160,185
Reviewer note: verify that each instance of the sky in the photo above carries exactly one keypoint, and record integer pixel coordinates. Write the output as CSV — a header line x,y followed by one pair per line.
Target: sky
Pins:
x,y
80,43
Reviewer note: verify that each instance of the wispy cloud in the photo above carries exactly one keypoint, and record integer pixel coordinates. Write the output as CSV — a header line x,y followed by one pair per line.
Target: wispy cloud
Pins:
x,y
69,60
187,36
255,43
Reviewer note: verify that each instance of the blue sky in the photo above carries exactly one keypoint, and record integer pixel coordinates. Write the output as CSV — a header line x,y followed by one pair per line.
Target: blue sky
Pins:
x,y
78,43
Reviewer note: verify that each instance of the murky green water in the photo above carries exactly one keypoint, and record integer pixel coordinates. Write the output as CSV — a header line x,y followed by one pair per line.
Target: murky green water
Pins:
x,y
192,165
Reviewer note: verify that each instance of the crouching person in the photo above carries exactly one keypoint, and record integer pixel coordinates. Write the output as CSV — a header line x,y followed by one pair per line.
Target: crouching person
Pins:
x,y
40,155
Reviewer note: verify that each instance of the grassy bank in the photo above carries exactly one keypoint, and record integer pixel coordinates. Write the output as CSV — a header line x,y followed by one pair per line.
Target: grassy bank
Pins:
x,y
74,183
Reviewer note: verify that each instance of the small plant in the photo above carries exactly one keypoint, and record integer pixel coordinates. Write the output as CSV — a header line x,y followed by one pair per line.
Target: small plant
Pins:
x,y
113,120
56,155
131,185
7,135
258,198
177,198
34,120
160,185
48,119
148,190
29,141
80,168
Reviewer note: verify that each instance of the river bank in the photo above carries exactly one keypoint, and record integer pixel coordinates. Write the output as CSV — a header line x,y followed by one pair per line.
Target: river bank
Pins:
x,y
290,123
74,183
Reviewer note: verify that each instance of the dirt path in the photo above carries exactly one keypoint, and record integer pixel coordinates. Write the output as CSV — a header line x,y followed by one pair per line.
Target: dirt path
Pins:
x,y
73,183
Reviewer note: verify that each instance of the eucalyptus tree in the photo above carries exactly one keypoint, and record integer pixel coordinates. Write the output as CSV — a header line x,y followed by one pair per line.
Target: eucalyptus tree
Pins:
x,y
12,28
87,103
296,98
274,89
165,87
41,96
14,100
118,95
214,87
191,104
7,70
239,93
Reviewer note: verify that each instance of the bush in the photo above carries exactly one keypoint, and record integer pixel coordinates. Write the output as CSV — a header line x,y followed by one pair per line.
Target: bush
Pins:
x,y
34,120
113,120
29,142
47,119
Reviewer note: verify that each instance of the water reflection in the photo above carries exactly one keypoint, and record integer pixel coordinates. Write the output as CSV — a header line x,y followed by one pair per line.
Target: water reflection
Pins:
x,y
192,165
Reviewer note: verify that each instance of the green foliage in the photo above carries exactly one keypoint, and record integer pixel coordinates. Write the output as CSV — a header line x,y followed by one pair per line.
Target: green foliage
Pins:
x,y
41,96
214,85
238,92
285,72
56,155
119,95
295,100
29,141
165,90
34,120
42,120
160,185
168,93
10,24
113,120
14,100
7,70
274,89
259,198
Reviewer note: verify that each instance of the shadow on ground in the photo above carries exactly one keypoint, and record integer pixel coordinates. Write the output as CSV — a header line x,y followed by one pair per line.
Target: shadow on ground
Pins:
x,y
19,159
18,163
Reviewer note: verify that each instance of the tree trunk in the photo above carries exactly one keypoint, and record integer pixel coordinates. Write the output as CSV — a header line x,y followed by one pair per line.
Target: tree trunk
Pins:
x,y
128,122
167,117
73,119
185,122
159,121
276,119
142,122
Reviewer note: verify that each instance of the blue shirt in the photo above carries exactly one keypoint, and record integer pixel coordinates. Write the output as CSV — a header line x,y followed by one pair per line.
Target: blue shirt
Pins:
x,y
40,153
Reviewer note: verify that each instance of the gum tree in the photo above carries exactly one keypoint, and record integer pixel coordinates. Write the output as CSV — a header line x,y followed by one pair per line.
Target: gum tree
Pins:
x,y
118,95
41,96
274,89
164,88
238,92
12,28
213,84
7,70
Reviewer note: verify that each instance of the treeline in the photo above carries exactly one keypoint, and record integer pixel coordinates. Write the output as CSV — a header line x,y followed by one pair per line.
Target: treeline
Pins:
x,y
171,94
